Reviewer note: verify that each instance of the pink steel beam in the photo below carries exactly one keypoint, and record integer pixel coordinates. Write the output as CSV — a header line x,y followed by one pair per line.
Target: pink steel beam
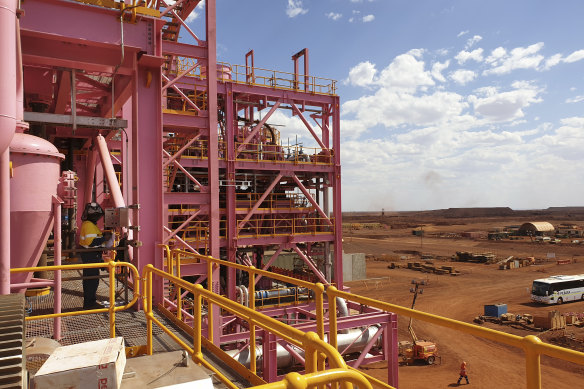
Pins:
x,y
311,265
182,150
178,165
367,347
308,126
182,242
178,77
267,265
261,199
89,175
168,9
312,201
337,211
199,42
257,127
249,69
189,101
183,225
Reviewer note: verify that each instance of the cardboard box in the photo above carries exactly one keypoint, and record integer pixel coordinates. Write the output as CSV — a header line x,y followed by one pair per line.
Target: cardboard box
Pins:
x,y
98,364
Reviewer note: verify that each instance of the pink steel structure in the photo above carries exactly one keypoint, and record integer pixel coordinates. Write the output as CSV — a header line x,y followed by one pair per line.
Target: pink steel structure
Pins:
x,y
198,152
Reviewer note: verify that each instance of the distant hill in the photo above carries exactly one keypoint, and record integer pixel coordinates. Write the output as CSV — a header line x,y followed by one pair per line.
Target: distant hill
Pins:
x,y
462,213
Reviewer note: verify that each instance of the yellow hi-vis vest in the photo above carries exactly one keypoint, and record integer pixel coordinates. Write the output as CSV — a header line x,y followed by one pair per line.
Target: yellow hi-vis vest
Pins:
x,y
89,231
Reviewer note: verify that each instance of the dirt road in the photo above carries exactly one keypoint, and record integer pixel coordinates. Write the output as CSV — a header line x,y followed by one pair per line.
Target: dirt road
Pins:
x,y
463,297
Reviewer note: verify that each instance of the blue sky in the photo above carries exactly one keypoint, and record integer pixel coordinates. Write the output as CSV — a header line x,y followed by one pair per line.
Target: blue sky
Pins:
x,y
444,103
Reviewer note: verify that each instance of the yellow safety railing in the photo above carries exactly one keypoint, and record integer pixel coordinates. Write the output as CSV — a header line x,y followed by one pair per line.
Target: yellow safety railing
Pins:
x,y
258,226
140,7
285,154
242,74
287,201
297,381
112,309
531,344
176,257
316,350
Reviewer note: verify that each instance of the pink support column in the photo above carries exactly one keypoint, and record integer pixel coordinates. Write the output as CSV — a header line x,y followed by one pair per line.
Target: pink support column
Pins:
x,y
231,217
147,149
8,96
89,177
4,222
57,257
337,210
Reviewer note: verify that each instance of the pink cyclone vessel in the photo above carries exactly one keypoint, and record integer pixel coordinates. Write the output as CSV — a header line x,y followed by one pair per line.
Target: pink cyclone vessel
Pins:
x,y
36,171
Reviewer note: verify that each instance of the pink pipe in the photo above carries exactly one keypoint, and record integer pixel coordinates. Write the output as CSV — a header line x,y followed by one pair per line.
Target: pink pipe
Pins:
x,y
32,284
112,182
57,257
89,176
21,125
110,173
4,222
7,75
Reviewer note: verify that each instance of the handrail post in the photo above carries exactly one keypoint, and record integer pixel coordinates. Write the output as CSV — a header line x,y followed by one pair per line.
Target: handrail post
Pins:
x,y
197,333
178,289
532,362
148,307
209,305
252,331
319,297
310,358
112,297
332,300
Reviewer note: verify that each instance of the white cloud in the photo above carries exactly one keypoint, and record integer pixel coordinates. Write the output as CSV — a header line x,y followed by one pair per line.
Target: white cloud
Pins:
x,y
333,15
295,8
496,106
575,56
575,99
437,69
462,33
362,74
472,41
475,55
552,61
406,71
462,76
518,58
351,19
368,18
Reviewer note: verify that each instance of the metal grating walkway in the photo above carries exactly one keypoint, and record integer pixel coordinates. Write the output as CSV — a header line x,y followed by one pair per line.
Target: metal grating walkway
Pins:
x,y
12,341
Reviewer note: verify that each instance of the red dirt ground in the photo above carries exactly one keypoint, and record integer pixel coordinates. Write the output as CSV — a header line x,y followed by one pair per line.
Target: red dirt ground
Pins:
x,y
463,297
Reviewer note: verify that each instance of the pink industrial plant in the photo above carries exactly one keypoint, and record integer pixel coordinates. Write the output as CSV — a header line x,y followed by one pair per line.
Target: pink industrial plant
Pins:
x,y
108,92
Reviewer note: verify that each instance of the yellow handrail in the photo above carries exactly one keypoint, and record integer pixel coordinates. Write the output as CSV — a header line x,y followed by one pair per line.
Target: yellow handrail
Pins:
x,y
297,381
309,341
112,309
532,345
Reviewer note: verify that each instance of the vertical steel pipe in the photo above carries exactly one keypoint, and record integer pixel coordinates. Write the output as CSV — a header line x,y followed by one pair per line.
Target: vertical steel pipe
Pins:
x,y
4,221
57,262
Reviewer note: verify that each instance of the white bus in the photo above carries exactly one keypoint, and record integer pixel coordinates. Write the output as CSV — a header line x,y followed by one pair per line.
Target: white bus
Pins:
x,y
558,289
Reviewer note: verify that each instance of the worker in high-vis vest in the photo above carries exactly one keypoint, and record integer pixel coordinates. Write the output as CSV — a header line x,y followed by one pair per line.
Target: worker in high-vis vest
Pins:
x,y
91,236
462,373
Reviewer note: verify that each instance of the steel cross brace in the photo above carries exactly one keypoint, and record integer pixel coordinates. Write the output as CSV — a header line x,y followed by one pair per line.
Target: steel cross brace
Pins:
x,y
182,242
311,265
267,265
312,201
367,347
184,170
308,126
182,22
260,200
179,228
188,100
257,128
182,150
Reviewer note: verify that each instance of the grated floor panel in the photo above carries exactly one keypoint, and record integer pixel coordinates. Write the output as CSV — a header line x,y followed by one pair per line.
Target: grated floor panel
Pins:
x,y
88,327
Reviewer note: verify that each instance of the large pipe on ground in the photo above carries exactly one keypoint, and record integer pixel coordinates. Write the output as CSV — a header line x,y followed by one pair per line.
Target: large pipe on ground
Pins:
x,y
355,339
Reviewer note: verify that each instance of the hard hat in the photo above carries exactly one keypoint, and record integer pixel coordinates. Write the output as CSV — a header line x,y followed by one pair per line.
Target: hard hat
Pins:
x,y
463,364
92,211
